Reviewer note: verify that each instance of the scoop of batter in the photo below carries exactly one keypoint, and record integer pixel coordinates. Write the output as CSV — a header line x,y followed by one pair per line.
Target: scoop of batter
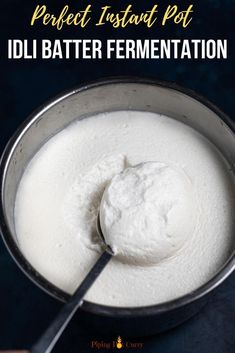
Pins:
x,y
147,212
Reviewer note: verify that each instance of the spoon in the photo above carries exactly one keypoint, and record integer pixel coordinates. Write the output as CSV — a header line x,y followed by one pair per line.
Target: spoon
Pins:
x,y
49,338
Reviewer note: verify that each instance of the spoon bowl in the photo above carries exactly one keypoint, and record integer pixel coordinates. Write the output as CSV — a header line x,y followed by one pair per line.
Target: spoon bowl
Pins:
x,y
107,247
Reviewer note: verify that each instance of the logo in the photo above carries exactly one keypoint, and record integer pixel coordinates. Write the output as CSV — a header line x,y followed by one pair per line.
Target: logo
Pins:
x,y
118,344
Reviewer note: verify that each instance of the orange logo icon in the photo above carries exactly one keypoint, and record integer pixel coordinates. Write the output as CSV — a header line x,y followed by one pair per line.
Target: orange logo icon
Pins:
x,y
119,343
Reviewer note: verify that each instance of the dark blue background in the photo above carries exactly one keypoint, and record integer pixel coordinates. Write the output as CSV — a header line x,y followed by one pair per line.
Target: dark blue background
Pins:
x,y
25,311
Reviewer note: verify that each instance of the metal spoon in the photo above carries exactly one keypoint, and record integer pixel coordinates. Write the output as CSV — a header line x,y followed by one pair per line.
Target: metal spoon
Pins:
x,y
49,338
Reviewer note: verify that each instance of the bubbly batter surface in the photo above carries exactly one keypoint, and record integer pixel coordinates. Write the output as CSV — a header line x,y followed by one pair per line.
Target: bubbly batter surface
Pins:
x,y
61,189
148,212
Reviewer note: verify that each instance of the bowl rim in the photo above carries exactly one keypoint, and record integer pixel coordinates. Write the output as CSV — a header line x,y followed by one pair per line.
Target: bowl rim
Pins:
x,y
42,282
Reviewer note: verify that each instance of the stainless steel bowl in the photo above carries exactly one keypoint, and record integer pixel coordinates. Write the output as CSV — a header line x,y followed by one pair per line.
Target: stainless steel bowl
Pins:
x,y
110,95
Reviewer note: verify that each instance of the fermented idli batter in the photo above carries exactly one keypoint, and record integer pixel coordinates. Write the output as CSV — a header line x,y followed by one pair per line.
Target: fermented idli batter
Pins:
x,y
187,184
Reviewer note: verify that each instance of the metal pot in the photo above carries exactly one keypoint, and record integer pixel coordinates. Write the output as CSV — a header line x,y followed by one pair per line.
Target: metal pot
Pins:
x,y
110,95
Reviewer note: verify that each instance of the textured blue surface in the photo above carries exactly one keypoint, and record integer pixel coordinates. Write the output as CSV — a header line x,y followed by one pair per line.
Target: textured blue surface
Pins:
x,y
25,311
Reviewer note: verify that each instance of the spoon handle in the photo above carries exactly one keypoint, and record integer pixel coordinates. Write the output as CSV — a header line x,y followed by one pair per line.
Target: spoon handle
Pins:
x,y
49,338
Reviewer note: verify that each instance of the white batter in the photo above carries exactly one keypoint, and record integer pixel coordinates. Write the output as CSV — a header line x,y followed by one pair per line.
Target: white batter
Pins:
x,y
61,189
148,212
